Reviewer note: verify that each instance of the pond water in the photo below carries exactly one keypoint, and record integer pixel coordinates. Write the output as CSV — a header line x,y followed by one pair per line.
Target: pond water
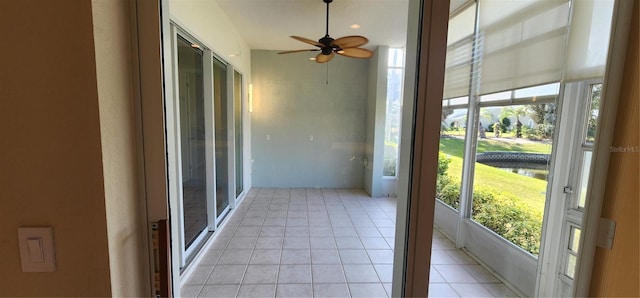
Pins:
x,y
538,174
534,170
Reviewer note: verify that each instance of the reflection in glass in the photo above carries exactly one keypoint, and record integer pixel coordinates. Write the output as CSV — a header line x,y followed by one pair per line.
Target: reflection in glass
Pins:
x,y
237,114
571,266
584,178
574,239
572,251
192,140
221,135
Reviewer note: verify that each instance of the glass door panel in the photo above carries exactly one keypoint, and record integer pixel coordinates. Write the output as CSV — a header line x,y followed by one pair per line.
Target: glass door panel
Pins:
x,y
192,140
221,136
237,114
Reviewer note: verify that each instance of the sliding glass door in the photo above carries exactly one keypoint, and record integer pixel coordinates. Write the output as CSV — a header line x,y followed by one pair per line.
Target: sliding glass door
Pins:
x,y
238,127
192,140
221,119
204,143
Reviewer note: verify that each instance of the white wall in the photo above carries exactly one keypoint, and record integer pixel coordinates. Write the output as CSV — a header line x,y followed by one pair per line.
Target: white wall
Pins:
x,y
206,21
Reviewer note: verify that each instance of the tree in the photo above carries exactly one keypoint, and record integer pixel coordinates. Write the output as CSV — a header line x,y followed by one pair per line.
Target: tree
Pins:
x,y
544,115
486,114
519,112
539,112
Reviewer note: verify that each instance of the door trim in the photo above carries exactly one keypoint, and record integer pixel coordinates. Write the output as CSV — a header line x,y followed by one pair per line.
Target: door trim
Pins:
x,y
427,107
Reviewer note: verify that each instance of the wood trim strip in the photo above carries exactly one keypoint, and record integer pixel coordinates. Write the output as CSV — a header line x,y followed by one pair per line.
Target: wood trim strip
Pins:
x,y
428,108
164,258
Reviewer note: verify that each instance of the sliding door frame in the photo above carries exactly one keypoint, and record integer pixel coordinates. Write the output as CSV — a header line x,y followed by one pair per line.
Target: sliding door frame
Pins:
x,y
424,82
174,149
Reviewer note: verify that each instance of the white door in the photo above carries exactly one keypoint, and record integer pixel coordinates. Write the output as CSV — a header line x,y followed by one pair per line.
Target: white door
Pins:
x,y
562,238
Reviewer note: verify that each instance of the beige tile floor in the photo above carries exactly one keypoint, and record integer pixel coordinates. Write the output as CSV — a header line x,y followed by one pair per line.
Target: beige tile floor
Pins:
x,y
321,243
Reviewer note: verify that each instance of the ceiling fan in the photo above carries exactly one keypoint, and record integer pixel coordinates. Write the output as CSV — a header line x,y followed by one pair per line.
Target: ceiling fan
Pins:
x,y
346,46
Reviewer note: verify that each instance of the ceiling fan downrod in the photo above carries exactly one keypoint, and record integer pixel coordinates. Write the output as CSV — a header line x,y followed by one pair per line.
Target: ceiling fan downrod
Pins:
x,y
327,23
327,41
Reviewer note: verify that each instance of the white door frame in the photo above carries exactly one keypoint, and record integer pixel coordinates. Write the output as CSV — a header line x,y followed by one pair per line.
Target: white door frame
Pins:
x,y
550,282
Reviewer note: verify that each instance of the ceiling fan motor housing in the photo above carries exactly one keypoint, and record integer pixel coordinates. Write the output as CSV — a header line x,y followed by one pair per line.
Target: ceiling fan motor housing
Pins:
x,y
327,43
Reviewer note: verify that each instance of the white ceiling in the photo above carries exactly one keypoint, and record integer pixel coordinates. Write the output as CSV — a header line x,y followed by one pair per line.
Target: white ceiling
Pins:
x,y
267,24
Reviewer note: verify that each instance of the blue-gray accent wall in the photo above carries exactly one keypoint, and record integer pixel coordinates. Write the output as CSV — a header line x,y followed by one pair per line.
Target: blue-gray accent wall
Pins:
x,y
305,132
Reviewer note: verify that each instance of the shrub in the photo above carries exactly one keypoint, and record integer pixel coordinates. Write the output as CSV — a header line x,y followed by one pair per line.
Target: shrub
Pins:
x,y
498,211
532,133
503,128
503,214
443,164
447,189
545,130
450,193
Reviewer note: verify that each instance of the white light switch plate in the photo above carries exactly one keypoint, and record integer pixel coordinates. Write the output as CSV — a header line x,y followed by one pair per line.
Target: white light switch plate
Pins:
x,y
36,249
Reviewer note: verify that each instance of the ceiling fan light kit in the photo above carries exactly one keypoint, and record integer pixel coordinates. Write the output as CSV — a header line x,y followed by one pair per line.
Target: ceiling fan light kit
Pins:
x,y
348,46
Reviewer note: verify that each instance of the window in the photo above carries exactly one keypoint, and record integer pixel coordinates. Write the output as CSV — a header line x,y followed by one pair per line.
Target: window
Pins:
x,y
513,155
395,78
455,106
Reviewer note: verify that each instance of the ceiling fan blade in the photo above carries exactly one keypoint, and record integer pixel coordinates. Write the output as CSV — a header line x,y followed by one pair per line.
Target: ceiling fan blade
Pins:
x,y
298,51
356,53
350,41
306,40
322,58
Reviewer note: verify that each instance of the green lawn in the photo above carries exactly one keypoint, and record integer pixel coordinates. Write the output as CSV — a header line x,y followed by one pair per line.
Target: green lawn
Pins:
x,y
530,190
455,146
